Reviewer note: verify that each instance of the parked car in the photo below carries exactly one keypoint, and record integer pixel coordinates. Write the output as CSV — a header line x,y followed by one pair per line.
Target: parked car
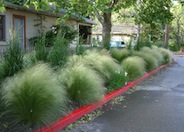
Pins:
x,y
118,44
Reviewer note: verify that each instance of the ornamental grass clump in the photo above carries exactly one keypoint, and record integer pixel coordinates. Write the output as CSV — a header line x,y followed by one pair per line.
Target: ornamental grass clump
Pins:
x,y
82,84
12,59
150,61
101,62
134,66
158,54
119,54
154,53
29,59
168,58
33,98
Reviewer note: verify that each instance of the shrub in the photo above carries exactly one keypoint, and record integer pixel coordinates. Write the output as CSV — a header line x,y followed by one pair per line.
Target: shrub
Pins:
x,y
119,54
150,61
59,52
83,85
12,60
64,30
134,66
33,98
142,43
168,58
117,80
173,46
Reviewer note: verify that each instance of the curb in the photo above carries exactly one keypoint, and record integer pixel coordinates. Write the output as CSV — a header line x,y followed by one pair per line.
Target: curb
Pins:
x,y
78,113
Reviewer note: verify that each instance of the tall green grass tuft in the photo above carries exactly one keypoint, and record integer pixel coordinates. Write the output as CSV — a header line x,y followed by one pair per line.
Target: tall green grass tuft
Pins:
x,y
1,70
33,98
134,67
59,52
168,58
41,52
12,60
83,84
119,54
150,61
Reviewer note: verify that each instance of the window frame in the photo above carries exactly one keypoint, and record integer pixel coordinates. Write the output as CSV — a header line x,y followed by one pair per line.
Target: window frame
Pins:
x,y
3,28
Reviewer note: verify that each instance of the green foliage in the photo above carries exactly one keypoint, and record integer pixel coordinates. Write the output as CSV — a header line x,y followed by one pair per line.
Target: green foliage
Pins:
x,y
157,11
168,58
150,61
80,49
182,43
18,2
83,85
158,44
117,80
33,98
173,46
143,43
41,52
59,52
134,66
29,59
12,60
1,70
63,30
119,54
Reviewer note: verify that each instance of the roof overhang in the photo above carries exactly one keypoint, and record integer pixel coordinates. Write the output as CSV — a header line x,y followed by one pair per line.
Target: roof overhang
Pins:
x,y
49,12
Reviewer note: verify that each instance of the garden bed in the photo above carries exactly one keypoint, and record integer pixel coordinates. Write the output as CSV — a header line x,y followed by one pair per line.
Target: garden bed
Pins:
x,y
78,113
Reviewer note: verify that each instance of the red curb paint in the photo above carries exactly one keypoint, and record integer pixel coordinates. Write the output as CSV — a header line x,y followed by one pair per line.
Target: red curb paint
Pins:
x,y
78,113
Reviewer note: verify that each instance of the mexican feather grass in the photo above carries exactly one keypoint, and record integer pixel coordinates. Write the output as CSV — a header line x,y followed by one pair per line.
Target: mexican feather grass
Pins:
x,y
33,98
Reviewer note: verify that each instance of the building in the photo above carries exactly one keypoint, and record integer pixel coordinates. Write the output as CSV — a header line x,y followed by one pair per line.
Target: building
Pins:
x,y
23,20
121,32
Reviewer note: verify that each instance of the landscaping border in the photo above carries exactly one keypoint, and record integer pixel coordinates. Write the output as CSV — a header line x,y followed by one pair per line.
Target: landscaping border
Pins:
x,y
78,113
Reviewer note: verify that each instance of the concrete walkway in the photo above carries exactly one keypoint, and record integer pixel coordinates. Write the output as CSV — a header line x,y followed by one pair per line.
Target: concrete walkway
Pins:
x,y
156,106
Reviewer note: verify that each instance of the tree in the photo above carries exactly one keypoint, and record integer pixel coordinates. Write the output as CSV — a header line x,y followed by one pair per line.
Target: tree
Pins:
x,y
177,24
153,12
102,9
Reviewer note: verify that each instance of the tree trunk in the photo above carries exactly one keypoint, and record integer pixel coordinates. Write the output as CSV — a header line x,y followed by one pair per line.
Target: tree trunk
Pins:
x,y
178,33
166,35
106,30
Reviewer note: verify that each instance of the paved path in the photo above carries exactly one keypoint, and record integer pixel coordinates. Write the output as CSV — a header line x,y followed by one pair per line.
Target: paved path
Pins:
x,y
157,106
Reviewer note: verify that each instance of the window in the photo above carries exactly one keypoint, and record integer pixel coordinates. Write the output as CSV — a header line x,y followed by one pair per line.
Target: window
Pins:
x,y
2,28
